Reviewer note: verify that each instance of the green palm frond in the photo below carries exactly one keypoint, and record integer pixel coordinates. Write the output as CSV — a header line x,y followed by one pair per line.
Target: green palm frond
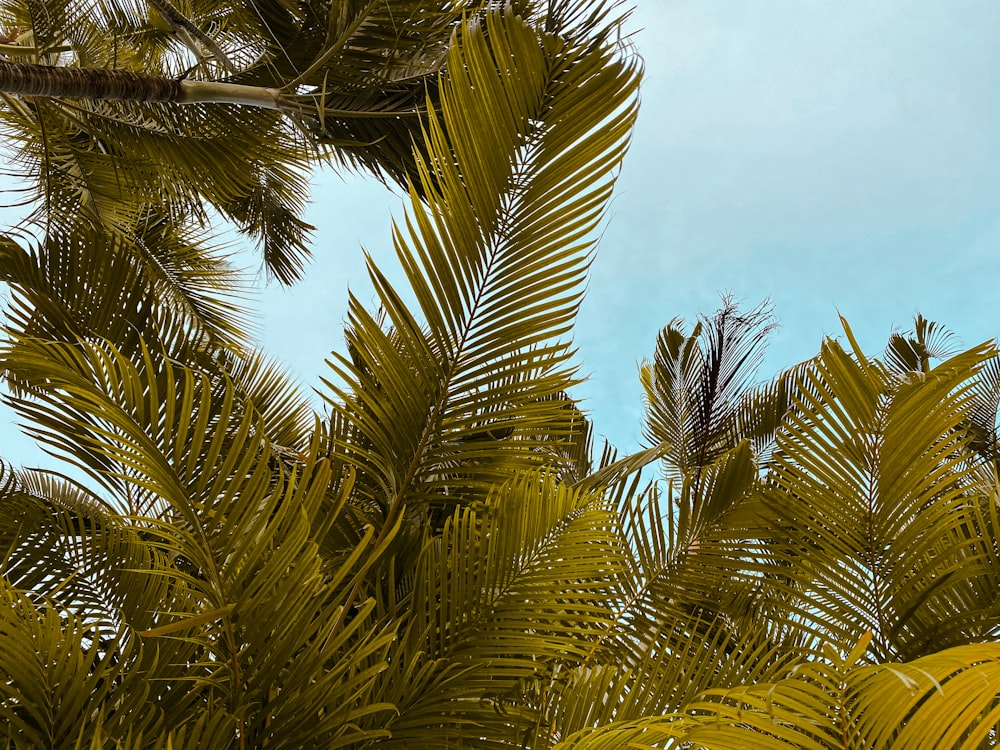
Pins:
x,y
885,520
900,705
912,351
501,599
65,545
103,165
839,704
949,699
688,618
68,555
53,668
981,424
649,733
167,288
764,407
702,378
234,530
495,259
285,413
352,78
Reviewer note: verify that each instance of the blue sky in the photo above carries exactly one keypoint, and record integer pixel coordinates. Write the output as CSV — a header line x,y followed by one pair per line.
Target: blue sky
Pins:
x,y
831,155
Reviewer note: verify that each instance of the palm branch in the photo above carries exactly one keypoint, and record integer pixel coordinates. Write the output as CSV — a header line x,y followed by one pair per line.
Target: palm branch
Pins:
x,y
879,464
833,704
495,257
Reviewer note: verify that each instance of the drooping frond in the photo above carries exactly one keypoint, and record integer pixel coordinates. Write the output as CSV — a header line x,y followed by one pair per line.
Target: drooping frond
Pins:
x,y
105,167
948,699
157,283
54,667
687,619
350,78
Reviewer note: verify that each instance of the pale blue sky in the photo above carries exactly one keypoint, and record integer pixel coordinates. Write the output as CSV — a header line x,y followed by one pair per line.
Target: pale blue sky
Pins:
x,y
828,154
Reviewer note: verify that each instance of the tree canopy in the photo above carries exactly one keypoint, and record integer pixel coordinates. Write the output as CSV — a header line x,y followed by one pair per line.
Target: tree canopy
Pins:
x,y
440,558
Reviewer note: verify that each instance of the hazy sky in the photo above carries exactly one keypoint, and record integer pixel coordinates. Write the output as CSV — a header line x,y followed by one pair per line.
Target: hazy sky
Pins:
x,y
828,154
832,155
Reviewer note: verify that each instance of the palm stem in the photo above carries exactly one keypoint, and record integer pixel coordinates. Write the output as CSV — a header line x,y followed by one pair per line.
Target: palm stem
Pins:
x,y
210,92
122,85
29,79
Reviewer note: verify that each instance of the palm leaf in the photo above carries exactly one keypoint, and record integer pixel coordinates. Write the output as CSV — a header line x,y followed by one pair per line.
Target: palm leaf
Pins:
x,y
696,383
352,78
879,706
500,601
55,667
167,289
238,529
913,351
872,485
495,260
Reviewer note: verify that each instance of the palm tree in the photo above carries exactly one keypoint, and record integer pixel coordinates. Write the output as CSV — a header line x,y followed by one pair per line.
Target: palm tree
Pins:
x,y
219,501
434,562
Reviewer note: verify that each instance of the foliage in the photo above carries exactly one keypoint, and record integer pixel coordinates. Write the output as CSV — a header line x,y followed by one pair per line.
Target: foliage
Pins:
x,y
437,561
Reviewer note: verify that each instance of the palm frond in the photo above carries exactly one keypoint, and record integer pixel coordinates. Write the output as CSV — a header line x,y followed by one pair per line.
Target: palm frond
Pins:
x,y
871,485
688,618
269,390
981,424
192,458
53,668
495,259
912,351
102,164
879,706
502,599
697,382
167,289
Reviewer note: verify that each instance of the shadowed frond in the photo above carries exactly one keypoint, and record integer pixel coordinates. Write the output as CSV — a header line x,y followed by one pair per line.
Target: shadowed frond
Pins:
x,y
166,288
950,699
55,667
696,385
345,81
912,351
102,166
